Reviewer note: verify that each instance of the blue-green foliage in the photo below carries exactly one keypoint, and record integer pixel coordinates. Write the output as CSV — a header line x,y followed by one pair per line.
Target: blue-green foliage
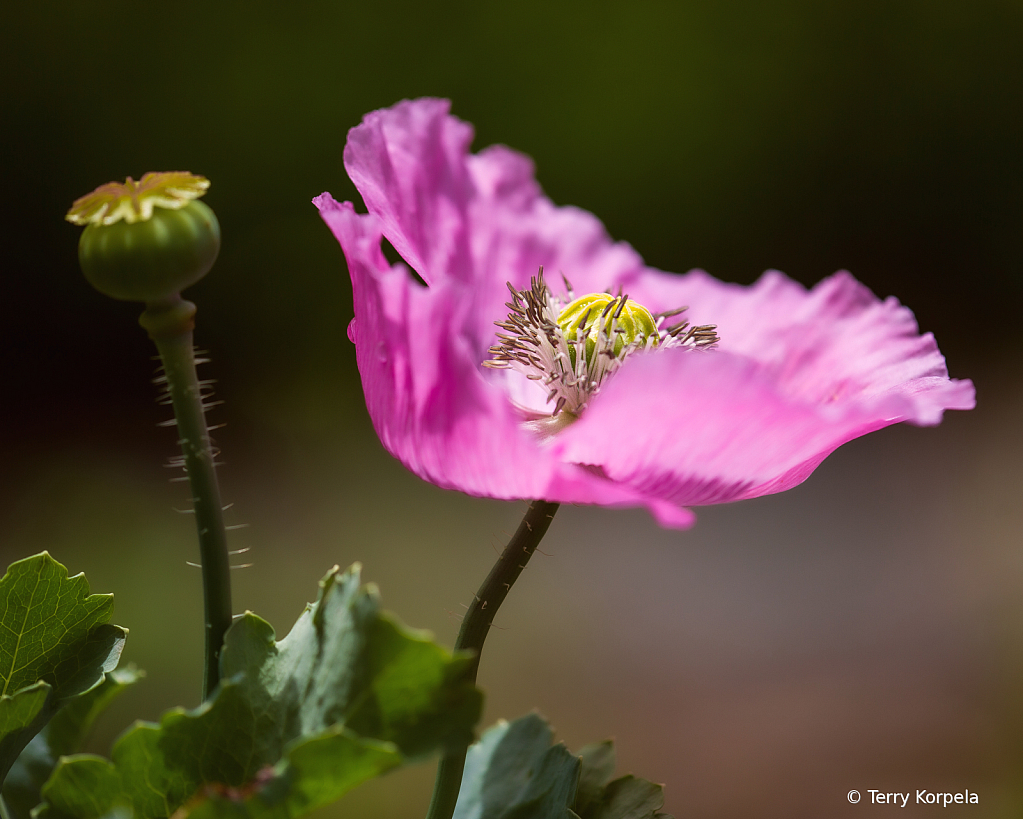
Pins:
x,y
296,723
514,772
64,734
55,645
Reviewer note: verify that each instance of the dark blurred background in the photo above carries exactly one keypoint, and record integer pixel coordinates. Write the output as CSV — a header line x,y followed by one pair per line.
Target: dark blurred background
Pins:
x,y
861,631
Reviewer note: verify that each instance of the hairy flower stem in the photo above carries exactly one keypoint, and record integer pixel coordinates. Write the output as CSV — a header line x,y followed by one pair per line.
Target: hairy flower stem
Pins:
x,y
169,324
475,628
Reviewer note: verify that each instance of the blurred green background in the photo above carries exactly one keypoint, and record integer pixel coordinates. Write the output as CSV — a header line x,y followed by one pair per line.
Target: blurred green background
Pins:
x,y
861,631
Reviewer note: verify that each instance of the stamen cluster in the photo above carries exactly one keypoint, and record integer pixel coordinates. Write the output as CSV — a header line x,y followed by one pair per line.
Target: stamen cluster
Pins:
x,y
573,346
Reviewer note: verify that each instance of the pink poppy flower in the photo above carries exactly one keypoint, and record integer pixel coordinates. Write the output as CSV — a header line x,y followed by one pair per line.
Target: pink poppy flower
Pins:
x,y
608,402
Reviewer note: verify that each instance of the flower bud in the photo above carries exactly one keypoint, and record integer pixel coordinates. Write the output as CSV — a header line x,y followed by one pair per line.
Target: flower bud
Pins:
x,y
148,240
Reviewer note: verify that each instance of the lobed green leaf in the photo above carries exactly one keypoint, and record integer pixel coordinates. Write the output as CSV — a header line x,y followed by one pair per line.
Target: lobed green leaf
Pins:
x,y
598,766
628,798
55,644
314,772
63,735
514,772
295,723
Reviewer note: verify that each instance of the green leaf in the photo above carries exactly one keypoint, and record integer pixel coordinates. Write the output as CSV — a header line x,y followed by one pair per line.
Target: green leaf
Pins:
x,y
91,787
55,644
64,734
514,772
629,798
295,723
314,772
598,766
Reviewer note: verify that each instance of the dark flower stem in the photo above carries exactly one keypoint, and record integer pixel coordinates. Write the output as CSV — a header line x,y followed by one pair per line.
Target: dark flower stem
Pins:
x,y
475,628
170,326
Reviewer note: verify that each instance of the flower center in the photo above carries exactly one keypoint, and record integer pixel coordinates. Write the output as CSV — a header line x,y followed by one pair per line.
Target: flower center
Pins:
x,y
573,346
600,318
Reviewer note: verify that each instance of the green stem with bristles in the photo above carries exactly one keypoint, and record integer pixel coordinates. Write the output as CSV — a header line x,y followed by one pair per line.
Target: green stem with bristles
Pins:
x,y
170,323
475,628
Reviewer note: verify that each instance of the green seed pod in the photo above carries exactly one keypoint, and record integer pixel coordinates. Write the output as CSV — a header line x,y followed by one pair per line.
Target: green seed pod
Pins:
x,y
147,241
620,320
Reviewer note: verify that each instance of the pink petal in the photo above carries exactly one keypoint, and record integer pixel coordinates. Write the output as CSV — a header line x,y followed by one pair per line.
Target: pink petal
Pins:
x,y
430,405
836,342
797,373
709,427
481,219
408,162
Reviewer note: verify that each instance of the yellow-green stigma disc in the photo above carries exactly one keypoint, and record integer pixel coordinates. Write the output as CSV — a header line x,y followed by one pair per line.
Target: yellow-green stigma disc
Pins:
x,y
608,323
147,240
